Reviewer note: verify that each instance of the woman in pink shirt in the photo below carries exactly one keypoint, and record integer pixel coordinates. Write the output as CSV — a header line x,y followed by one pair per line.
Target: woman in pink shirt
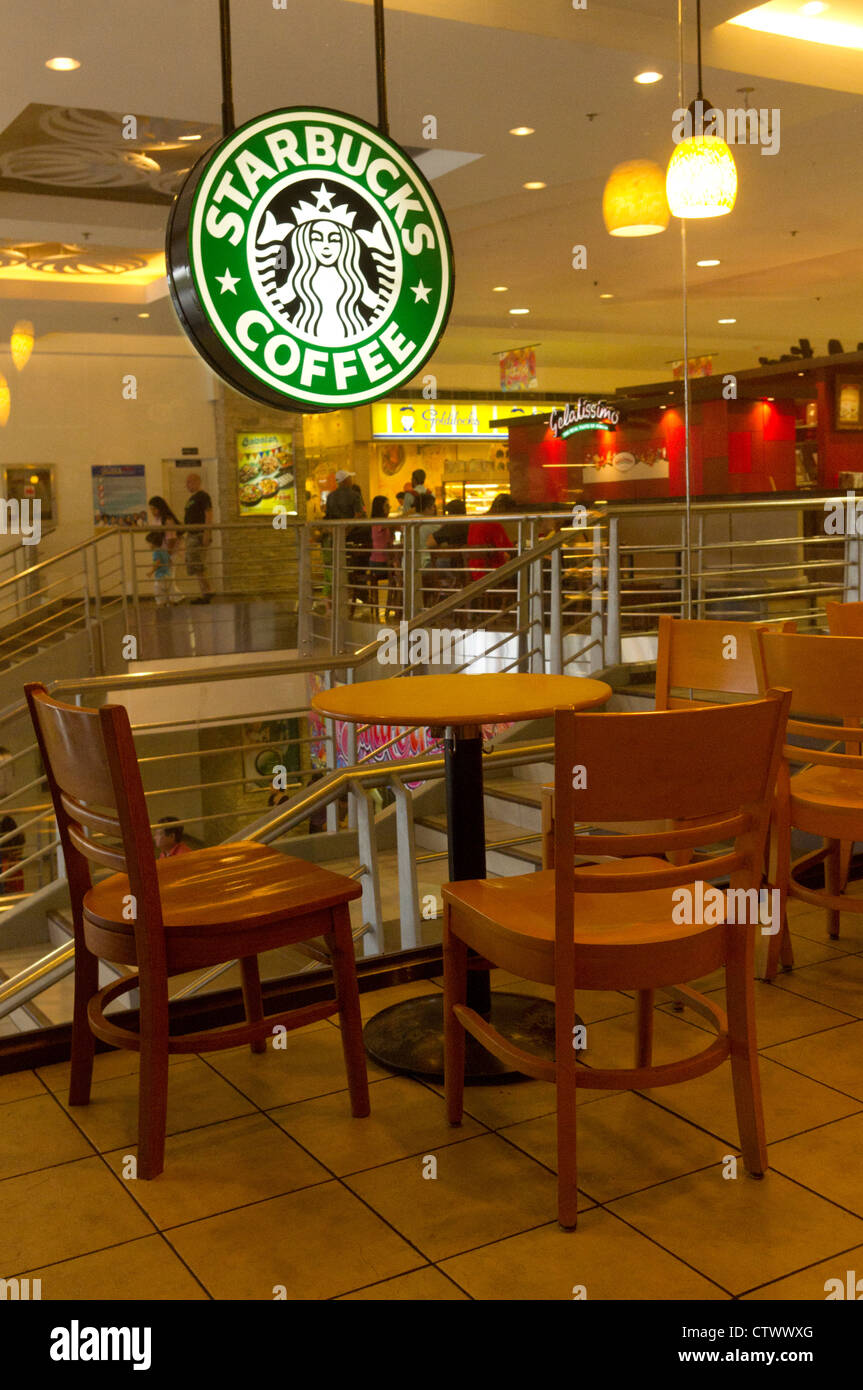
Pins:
x,y
381,557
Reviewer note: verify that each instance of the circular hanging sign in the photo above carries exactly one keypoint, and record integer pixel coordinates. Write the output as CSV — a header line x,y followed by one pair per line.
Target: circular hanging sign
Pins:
x,y
309,261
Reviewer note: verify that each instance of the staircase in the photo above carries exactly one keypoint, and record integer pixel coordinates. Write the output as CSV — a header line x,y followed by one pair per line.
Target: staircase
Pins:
x,y
512,813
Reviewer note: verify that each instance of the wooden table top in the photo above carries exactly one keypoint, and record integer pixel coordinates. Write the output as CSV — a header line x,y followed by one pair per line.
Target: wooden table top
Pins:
x,y
459,699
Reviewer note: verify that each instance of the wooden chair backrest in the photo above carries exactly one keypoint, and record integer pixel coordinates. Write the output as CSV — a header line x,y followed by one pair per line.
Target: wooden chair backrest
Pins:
x,y
715,765
95,784
710,656
825,677
845,619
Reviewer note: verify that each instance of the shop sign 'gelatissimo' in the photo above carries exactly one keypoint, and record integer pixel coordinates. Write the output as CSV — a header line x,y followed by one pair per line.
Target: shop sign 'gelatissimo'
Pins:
x,y
309,261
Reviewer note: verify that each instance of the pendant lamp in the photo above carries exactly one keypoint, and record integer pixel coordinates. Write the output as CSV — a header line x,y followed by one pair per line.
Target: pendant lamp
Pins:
x,y
702,176
634,201
5,400
21,343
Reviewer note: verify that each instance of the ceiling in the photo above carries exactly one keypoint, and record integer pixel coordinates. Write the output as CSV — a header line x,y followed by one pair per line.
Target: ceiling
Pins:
x,y
791,252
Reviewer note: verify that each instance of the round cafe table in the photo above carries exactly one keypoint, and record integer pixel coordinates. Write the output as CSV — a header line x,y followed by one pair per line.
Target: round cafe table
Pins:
x,y
408,1037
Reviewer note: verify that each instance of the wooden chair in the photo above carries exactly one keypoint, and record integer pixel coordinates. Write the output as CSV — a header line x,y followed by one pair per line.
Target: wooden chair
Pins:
x,y
845,619
696,660
611,926
825,675
168,916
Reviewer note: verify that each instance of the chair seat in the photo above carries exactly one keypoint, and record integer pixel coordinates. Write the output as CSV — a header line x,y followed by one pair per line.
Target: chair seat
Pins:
x,y
242,885
826,801
511,922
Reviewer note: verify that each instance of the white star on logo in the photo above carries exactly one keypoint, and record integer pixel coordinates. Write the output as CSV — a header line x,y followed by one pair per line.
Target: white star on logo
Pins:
x,y
324,198
228,282
421,292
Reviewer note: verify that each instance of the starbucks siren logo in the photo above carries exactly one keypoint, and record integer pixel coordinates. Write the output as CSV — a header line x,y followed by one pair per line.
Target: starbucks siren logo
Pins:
x,y
309,261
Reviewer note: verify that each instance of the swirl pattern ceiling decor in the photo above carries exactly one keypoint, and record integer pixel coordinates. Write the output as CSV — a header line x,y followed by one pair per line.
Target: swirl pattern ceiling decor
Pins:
x,y
99,154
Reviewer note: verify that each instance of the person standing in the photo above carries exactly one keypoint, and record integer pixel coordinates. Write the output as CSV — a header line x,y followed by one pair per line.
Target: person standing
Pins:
x,y
342,504
169,525
168,838
160,571
198,513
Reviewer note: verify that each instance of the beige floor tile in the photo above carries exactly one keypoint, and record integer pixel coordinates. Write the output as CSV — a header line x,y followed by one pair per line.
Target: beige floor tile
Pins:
x,y
792,1103
812,923
826,1160
106,1065
406,1118
314,1244
834,1057
511,1101
196,1096
812,950
18,1085
421,1286
836,983
311,1064
34,1133
62,1212
740,1231
611,1042
146,1269
624,1143
808,1285
779,1014
485,1189
603,1256
219,1167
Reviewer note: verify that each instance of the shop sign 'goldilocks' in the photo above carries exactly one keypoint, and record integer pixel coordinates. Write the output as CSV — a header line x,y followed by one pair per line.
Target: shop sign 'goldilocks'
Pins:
x,y
309,261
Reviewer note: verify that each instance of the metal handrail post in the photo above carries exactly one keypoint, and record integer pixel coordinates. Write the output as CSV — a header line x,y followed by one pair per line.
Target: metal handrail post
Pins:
x,y
555,624
331,757
596,634
368,856
136,600
88,617
339,596
406,859
536,629
352,759
699,563
612,639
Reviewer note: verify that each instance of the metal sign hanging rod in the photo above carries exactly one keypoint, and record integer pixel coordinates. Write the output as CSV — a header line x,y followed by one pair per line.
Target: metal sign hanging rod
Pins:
x,y
381,68
228,122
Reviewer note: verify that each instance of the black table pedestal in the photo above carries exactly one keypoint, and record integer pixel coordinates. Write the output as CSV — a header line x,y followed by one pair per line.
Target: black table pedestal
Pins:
x,y
408,1037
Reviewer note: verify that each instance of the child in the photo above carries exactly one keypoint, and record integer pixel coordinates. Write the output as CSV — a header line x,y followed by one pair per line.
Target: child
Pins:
x,y
160,572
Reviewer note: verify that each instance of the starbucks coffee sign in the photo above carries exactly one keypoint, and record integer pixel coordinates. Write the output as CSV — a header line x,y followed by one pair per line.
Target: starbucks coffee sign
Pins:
x,y
309,261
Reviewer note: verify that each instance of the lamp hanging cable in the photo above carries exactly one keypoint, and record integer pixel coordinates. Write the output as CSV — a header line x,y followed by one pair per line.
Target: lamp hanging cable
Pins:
x,y
228,122
381,68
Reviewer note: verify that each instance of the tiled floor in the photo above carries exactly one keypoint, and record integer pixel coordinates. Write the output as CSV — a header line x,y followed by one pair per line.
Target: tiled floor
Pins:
x,y
271,1189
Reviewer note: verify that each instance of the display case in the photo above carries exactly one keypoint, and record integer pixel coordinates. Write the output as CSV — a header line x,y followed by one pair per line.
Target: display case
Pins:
x,y
477,497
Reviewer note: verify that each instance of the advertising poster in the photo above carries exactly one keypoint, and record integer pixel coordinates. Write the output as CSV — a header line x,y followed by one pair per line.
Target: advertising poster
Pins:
x,y
518,370
265,474
119,494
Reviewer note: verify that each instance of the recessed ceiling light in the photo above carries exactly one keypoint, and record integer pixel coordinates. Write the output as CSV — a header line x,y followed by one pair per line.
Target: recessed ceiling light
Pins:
x,y
143,316
190,137
499,289
771,398
801,373
522,130
708,262
808,25
606,296
536,183
519,311
645,78
814,7
62,64
726,320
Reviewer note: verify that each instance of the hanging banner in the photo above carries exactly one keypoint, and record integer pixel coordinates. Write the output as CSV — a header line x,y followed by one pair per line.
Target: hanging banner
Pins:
x,y
698,366
309,261
518,370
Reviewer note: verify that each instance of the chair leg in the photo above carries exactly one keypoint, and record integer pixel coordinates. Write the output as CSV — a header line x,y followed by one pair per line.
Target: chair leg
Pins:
x,y
252,998
779,874
83,1041
845,852
833,882
341,946
644,1034
454,992
740,989
153,1080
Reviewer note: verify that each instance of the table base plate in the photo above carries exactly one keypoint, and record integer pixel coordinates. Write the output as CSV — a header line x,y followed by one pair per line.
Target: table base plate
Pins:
x,y
408,1037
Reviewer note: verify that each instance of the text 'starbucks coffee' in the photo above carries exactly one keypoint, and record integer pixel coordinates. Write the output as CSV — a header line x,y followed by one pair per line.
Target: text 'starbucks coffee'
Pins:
x,y
309,261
